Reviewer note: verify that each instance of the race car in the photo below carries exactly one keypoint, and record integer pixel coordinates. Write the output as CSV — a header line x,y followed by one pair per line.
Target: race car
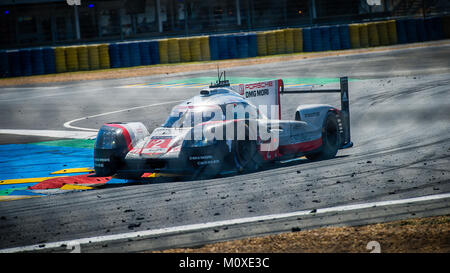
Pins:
x,y
225,128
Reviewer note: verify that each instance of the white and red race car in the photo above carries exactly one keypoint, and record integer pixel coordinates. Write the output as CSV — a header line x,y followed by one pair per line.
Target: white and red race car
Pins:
x,y
225,128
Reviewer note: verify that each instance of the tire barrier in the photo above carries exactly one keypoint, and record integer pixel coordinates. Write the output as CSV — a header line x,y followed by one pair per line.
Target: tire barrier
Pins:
x,y
185,52
411,31
289,40
60,60
298,39
4,65
144,52
421,32
223,47
135,55
401,32
354,35
103,55
383,33
163,48
173,50
344,37
205,48
316,38
374,39
195,49
114,56
83,58
392,32
154,52
280,41
25,62
242,45
232,46
307,40
37,62
271,43
335,38
261,43
252,45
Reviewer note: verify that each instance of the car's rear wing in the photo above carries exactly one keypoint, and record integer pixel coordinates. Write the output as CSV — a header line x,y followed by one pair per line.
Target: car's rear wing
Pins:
x,y
345,108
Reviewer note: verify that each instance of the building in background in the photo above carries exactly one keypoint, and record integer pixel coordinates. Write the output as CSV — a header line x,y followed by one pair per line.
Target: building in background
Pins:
x,y
28,23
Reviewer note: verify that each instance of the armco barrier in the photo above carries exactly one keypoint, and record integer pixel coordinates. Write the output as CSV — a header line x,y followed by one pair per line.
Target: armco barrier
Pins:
x,y
344,37
60,59
326,41
37,62
114,56
316,38
4,65
163,48
280,41
214,48
103,55
392,32
374,38
446,26
25,62
421,32
242,45
83,58
232,46
195,49
402,38
154,52
354,35
71,58
271,43
383,33
205,48
135,56
335,38
93,57
298,39
144,52
252,45
14,63
261,43
307,39
173,50
223,47
185,52
49,60
433,26
289,40
124,52
363,35
411,31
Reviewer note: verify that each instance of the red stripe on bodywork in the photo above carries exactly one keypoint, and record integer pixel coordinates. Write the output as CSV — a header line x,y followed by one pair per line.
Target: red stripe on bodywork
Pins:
x,y
301,147
125,134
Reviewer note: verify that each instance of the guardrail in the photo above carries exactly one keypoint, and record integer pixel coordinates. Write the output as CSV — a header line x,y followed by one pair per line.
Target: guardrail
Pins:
x,y
49,60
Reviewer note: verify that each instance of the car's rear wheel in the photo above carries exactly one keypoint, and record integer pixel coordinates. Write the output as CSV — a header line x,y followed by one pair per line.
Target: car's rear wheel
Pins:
x,y
330,139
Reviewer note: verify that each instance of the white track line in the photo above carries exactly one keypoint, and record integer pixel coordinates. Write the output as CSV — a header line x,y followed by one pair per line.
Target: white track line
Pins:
x,y
201,226
50,133
68,124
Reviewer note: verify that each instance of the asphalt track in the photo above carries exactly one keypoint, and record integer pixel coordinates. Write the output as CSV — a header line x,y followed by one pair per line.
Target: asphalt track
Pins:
x,y
400,118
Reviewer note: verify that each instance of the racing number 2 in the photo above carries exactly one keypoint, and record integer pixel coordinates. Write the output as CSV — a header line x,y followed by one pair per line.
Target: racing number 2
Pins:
x,y
158,143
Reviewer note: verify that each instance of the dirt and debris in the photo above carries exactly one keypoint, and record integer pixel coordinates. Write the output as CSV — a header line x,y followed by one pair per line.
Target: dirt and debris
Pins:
x,y
421,235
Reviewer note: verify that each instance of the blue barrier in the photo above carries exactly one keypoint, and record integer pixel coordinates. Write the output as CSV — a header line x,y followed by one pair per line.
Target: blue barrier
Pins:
x,y
411,30
344,37
124,52
316,38
223,47
135,56
421,32
242,45
15,68
307,40
154,52
214,47
4,65
335,38
232,46
25,62
114,56
144,52
252,45
401,31
49,60
326,41
37,62
433,27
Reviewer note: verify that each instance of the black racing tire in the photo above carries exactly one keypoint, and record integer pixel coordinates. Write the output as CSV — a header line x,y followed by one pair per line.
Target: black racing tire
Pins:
x,y
246,156
212,170
330,139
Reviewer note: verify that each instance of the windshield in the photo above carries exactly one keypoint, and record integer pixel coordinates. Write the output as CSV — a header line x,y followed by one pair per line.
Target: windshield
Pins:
x,y
183,116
